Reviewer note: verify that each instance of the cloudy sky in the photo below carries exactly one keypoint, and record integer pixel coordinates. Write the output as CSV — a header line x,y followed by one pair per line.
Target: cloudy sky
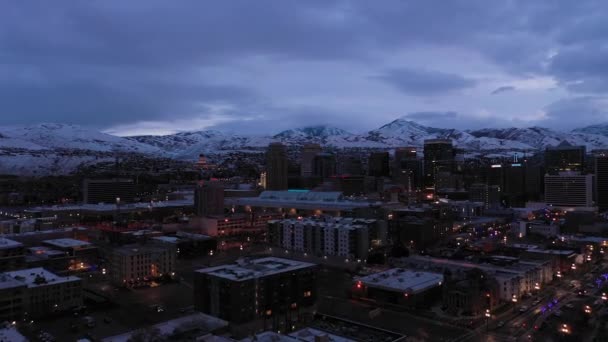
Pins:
x,y
157,67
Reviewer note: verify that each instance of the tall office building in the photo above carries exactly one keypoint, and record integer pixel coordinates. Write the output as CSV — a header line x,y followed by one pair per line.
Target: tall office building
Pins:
x,y
407,169
324,165
209,198
307,156
564,157
601,181
438,157
378,164
108,190
351,166
569,189
515,184
276,167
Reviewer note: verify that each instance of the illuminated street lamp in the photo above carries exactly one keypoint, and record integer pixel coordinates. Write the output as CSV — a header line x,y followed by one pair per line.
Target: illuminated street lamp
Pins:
x,y
573,267
565,329
604,297
559,274
536,286
488,314
587,309
514,299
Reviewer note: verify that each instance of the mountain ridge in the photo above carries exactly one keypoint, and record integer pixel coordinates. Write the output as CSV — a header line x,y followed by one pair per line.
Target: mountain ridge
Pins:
x,y
51,145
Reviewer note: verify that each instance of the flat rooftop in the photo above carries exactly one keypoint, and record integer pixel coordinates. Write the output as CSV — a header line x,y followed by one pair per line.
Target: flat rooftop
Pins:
x,y
67,243
7,282
10,334
34,277
515,269
7,243
166,239
269,336
246,269
310,334
309,200
195,321
137,249
403,280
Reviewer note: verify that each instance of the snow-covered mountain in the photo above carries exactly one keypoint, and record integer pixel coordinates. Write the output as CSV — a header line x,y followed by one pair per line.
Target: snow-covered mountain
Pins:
x,y
61,148
599,129
539,137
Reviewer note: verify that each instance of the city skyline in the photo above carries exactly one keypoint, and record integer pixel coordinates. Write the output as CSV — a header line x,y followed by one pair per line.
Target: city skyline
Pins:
x,y
126,68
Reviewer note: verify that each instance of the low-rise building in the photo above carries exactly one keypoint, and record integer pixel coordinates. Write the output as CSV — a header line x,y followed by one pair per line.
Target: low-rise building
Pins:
x,y
349,238
140,264
515,277
12,254
400,286
46,292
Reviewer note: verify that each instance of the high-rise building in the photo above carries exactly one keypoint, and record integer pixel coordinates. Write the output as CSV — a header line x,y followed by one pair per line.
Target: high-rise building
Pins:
x,y
276,167
407,169
601,181
490,195
309,151
209,198
378,164
108,191
569,189
515,184
564,157
351,166
438,157
324,165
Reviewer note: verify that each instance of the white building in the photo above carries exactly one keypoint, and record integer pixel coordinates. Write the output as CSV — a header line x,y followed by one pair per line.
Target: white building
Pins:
x,y
349,238
139,264
513,280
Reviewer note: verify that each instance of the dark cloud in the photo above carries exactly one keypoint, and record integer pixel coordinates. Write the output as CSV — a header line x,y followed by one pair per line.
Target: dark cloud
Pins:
x,y
422,116
582,68
502,89
570,113
113,62
425,82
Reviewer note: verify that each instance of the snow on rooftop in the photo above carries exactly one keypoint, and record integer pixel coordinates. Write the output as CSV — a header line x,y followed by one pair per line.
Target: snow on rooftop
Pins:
x,y
310,334
7,282
167,328
269,336
10,334
168,239
400,279
67,243
34,277
245,269
7,243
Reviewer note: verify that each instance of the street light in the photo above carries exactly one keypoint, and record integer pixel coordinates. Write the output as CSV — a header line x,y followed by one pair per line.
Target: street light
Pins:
x,y
587,309
604,297
565,329
573,267
514,299
559,274
536,286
